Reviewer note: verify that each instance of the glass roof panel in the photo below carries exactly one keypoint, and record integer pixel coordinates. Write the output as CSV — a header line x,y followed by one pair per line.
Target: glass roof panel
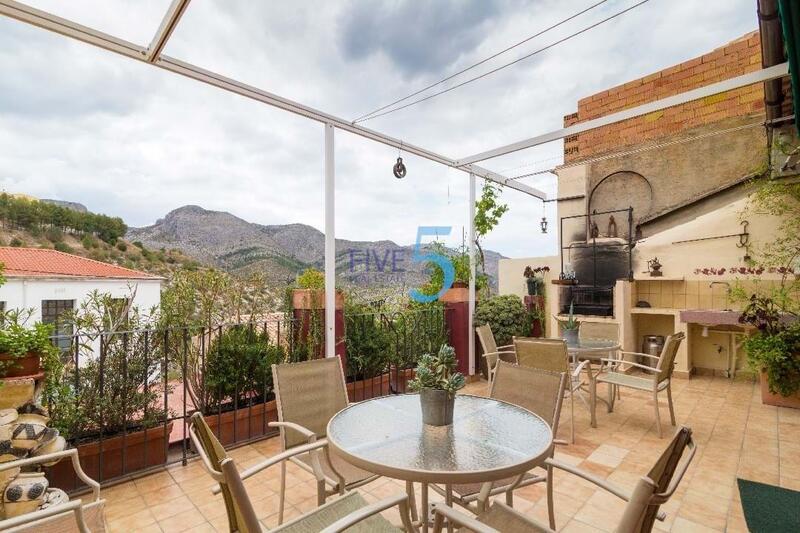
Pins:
x,y
133,20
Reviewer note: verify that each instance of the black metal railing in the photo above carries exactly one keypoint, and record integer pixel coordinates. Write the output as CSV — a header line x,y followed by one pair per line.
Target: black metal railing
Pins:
x,y
125,397
383,348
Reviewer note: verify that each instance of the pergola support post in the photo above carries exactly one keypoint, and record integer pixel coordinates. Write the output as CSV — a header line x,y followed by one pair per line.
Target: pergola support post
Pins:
x,y
471,309
330,245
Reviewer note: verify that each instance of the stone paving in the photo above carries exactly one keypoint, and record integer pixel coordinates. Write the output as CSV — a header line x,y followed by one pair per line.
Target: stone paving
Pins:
x,y
736,434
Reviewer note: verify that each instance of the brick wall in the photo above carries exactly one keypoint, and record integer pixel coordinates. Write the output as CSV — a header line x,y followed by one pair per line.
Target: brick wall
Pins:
x,y
734,59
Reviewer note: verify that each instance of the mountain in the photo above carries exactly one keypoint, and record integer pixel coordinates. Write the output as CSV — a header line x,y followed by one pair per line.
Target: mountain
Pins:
x,y
281,251
75,206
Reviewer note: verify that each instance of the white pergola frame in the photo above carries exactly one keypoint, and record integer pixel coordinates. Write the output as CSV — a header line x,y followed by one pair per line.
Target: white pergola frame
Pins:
x,y
152,54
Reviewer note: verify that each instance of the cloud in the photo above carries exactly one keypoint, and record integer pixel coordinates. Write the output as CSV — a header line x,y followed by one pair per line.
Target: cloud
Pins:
x,y
82,124
418,36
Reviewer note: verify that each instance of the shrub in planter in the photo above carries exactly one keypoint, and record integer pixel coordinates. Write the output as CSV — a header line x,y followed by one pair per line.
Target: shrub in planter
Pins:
x,y
506,315
369,344
116,389
238,369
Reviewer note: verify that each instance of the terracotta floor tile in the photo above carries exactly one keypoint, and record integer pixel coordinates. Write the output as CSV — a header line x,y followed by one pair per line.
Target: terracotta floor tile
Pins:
x,y
736,435
185,521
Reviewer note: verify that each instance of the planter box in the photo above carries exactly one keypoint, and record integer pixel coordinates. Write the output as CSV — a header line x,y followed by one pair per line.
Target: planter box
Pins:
x,y
456,294
143,449
382,385
768,398
251,422
313,299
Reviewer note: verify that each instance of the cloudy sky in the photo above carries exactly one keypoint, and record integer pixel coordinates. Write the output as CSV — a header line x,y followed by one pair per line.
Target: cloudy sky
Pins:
x,y
82,124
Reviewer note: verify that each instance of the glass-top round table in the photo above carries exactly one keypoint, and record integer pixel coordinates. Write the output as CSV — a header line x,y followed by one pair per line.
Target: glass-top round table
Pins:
x,y
489,440
593,348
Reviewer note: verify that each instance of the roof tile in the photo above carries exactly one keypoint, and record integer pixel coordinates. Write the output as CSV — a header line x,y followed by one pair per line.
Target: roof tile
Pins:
x,y
45,263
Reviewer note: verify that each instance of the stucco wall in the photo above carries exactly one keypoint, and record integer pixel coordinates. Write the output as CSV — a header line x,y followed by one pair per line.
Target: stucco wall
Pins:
x,y
511,280
28,293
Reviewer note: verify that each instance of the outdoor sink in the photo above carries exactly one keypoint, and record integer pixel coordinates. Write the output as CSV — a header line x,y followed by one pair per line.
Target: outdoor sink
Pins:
x,y
711,317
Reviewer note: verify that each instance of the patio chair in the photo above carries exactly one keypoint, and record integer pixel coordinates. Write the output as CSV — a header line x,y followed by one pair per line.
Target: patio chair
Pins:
x,y
552,355
307,395
492,352
599,330
350,511
68,517
641,511
536,390
659,380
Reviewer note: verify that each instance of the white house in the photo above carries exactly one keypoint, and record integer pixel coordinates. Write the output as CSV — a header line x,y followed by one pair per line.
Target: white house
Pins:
x,y
52,282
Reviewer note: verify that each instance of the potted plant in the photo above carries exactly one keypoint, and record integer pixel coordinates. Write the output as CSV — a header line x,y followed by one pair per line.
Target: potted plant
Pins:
x,y
570,327
534,278
22,348
437,384
774,351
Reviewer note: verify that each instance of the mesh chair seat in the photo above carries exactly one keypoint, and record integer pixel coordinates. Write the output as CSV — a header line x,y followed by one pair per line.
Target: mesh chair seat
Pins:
x,y
633,382
466,490
351,474
507,520
329,513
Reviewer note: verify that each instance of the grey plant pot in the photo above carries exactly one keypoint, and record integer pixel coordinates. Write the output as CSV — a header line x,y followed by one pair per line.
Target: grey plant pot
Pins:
x,y
571,336
437,407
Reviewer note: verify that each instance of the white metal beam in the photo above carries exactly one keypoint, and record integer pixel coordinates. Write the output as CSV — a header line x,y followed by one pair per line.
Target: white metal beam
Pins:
x,y
472,274
330,244
164,32
763,75
50,22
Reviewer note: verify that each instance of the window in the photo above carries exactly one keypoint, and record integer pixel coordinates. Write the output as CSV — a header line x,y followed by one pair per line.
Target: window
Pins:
x,y
52,311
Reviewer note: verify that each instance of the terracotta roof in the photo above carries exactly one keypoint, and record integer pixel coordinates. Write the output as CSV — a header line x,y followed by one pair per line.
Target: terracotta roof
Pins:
x,y
44,263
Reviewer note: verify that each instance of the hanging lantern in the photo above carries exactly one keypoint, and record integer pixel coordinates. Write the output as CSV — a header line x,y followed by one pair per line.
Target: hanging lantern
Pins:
x,y
543,224
399,169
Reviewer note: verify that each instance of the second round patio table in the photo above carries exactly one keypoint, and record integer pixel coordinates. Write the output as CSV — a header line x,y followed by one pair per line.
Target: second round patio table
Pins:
x,y
489,440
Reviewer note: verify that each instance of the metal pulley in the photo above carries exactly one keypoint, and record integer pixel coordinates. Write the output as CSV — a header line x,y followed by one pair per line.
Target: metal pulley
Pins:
x,y
399,169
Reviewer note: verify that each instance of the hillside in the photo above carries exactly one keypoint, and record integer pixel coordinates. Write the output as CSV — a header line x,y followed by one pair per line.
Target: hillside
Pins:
x,y
123,253
280,251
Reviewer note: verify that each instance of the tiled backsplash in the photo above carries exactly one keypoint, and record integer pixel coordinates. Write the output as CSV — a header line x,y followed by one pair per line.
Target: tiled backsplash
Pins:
x,y
692,294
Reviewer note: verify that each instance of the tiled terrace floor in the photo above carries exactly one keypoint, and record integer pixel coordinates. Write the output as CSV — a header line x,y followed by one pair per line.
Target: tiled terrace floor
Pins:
x,y
737,436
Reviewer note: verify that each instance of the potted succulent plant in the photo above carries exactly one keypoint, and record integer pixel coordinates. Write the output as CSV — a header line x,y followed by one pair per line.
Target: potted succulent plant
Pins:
x,y
570,327
437,384
22,348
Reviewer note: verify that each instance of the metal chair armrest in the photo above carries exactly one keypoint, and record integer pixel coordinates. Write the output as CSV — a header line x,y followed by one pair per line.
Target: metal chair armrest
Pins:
x,y
441,511
578,369
635,365
619,492
639,354
276,459
506,346
50,457
304,431
499,352
399,500
74,506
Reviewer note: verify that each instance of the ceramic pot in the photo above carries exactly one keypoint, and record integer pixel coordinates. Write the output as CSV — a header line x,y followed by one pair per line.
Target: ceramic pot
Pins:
x,y
16,392
28,430
24,494
571,336
437,407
